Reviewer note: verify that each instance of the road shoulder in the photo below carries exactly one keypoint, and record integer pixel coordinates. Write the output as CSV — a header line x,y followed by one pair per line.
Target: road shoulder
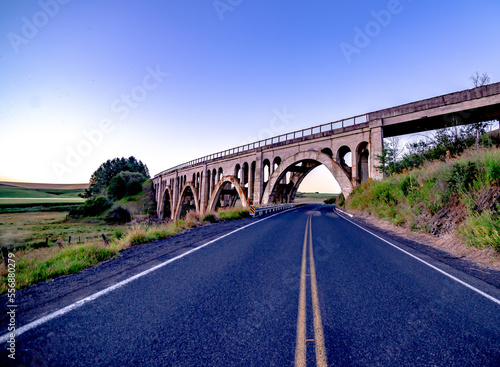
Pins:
x,y
480,264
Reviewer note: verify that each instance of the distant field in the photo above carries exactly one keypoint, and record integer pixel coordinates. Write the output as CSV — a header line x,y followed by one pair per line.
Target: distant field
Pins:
x,y
45,186
17,196
24,201
7,191
310,197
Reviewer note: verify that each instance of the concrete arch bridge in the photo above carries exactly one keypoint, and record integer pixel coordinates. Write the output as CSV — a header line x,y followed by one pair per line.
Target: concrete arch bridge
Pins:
x,y
271,170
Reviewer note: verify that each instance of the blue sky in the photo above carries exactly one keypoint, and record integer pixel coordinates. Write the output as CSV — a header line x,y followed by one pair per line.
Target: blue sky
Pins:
x,y
169,81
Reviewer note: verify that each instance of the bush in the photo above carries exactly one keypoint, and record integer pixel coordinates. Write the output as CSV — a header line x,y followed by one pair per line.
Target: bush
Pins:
x,y
233,213
192,219
330,201
407,185
118,215
92,207
482,230
210,218
118,234
463,175
341,200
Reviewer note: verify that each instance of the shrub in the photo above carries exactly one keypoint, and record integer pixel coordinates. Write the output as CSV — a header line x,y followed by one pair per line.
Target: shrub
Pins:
x,y
463,175
192,218
118,234
481,230
341,200
330,201
408,184
118,215
92,207
210,218
232,214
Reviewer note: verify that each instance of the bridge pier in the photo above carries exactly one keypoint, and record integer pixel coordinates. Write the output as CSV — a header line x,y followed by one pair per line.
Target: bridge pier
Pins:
x,y
375,148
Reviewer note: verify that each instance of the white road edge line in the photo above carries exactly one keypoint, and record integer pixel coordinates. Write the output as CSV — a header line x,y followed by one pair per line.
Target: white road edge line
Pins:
x,y
343,212
73,306
491,298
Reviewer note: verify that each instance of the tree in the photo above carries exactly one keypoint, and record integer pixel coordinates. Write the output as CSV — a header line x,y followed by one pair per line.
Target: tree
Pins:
x,y
102,177
480,80
125,183
391,153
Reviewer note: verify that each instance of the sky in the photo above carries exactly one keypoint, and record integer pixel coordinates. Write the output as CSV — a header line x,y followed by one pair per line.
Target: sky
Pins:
x,y
170,81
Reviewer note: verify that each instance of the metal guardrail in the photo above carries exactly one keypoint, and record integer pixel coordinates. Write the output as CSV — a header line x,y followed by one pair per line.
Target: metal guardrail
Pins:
x,y
284,138
255,211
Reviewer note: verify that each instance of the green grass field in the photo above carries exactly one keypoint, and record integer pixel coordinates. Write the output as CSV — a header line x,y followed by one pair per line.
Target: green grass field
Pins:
x,y
9,201
7,191
15,196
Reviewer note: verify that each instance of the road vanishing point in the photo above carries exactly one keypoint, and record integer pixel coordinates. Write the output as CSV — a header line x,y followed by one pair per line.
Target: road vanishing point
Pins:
x,y
304,287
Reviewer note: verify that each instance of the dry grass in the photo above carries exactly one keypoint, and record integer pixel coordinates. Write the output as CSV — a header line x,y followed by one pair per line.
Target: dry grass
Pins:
x,y
34,228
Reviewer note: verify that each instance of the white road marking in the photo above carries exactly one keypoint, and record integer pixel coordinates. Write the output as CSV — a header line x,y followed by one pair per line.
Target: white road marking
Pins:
x,y
73,306
343,212
491,298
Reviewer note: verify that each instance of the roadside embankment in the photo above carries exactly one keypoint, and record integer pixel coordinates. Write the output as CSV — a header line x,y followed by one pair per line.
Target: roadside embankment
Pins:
x,y
457,200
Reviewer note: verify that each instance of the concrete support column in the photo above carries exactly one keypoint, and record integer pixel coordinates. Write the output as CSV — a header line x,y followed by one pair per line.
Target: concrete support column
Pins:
x,y
161,198
176,194
250,183
354,166
375,148
157,197
259,179
204,191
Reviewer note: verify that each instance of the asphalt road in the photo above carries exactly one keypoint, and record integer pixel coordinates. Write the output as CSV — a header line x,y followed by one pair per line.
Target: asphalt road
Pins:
x,y
303,287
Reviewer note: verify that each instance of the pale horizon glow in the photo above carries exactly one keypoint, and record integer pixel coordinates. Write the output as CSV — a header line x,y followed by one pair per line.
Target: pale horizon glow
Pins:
x,y
168,82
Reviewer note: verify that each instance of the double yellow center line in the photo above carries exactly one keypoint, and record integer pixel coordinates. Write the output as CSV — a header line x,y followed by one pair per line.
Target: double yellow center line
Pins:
x,y
319,340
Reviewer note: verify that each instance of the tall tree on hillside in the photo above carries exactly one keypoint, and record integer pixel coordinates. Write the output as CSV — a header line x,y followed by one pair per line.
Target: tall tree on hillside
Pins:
x,y
103,176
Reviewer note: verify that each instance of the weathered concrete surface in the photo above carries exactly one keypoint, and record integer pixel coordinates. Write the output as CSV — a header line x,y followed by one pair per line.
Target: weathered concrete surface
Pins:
x,y
464,107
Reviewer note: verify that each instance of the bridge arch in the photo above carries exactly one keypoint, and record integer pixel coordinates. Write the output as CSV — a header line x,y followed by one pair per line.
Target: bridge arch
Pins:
x,y
328,152
276,163
219,187
308,161
184,203
166,204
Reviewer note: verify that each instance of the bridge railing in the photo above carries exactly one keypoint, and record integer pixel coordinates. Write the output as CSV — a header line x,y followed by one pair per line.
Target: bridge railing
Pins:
x,y
284,138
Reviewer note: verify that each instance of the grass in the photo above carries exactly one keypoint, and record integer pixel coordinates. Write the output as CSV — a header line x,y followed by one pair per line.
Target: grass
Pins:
x,y
35,262
462,192
482,230
7,191
33,267
15,199
309,197
34,229
31,201
143,234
